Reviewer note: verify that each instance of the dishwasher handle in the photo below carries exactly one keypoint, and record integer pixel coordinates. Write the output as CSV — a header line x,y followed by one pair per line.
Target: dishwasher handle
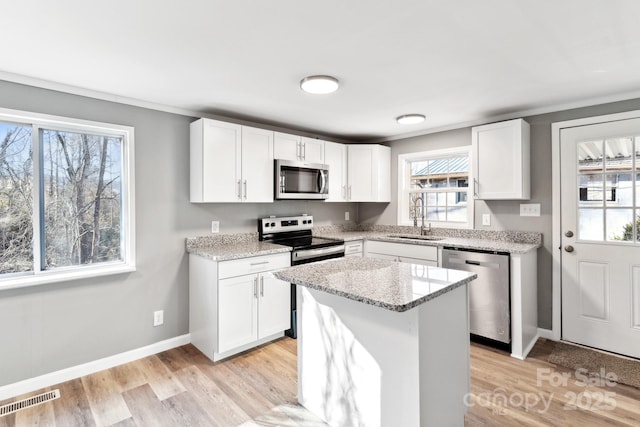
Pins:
x,y
472,262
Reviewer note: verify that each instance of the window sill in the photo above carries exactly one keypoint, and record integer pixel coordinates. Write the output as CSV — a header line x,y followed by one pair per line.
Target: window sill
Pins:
x,y
436,225
44,278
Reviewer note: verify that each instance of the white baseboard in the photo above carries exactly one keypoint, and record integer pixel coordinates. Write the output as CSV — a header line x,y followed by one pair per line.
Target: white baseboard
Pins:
x,y
546,333
57,377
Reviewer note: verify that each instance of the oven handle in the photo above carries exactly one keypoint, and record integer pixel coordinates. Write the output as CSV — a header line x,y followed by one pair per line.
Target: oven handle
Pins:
x,y
313,253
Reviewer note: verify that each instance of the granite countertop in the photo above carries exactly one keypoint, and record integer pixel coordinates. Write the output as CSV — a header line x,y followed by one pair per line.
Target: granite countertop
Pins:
x,y
459,242
223,251
382,283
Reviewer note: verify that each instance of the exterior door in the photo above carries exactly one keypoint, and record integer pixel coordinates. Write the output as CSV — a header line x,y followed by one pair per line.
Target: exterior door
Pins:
x,y
600,221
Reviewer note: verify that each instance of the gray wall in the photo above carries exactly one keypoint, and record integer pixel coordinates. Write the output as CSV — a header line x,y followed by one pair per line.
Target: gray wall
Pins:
x,y
55,326
505,215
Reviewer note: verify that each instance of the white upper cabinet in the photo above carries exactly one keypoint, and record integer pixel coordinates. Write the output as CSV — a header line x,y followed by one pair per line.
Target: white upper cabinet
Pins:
x,y
230,163
257,165
215,159
369,173
312,150
294,147
335,155
501,161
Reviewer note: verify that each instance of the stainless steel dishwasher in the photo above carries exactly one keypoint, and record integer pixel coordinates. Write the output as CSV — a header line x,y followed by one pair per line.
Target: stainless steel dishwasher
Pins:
x,y
489,294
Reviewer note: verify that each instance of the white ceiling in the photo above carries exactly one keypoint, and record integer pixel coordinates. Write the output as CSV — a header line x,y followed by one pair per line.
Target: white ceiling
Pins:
x,y
458,62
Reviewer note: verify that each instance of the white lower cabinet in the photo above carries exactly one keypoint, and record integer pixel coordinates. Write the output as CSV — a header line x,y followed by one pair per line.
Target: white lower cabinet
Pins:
x,y
238,304
402,252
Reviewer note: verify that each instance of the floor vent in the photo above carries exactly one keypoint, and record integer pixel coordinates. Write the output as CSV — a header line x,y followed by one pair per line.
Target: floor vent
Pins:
x,y
27,403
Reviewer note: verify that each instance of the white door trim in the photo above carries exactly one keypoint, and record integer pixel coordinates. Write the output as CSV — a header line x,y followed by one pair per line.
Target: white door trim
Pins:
x,y
556,231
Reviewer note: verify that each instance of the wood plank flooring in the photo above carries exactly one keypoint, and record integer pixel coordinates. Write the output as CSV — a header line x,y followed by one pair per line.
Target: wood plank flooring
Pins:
x,y
181,387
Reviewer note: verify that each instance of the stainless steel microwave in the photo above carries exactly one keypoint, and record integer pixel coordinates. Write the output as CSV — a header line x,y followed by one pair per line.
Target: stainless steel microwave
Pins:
x,y
300,180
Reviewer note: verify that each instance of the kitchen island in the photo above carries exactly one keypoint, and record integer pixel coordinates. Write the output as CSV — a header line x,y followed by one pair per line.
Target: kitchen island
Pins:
x,y
382,343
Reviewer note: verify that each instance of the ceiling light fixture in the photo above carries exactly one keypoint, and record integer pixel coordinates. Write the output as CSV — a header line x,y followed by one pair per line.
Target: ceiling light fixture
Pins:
x,y
410,119
319,85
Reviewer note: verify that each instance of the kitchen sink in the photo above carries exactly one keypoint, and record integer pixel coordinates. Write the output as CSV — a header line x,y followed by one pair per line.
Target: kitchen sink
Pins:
x,y
415,237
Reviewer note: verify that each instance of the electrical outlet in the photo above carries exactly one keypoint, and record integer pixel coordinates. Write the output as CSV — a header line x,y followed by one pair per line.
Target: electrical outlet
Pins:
x,y
486,219
215,226
346,216
158,317
530,209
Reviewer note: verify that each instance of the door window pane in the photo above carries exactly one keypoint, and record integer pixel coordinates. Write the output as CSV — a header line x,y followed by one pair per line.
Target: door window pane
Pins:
x,y
620,225
590,156
590,191
82,197
16,198
591,225
619,154
619,189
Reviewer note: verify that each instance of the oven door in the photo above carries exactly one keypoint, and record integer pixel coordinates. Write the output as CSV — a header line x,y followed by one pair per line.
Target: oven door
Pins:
x,y
299,180
303,256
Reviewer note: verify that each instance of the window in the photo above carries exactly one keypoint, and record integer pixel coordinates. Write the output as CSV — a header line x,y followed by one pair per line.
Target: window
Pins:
x,y
66,192
435,184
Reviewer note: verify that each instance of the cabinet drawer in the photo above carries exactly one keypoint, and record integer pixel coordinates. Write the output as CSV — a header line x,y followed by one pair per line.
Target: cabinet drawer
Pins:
x,y
352,248
403,250
257,264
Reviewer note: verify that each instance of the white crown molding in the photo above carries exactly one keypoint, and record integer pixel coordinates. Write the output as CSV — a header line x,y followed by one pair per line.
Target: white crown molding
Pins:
x,y
516,115
57,377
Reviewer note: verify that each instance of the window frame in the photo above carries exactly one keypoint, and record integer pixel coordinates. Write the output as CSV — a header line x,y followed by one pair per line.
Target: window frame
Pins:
x,y
50,122
404,185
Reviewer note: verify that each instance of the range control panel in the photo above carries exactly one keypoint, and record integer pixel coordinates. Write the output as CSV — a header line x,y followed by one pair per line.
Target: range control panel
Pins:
x,y
283,224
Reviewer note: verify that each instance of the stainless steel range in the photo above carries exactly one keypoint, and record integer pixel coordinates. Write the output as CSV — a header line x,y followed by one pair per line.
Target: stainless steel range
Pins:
x,y
296,232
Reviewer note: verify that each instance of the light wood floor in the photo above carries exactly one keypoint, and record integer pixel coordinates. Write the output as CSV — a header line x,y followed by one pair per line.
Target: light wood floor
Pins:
x,y
181,387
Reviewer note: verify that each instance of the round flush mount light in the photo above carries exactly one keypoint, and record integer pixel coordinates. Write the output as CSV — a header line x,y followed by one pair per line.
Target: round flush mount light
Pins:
x,y
319,85
410,119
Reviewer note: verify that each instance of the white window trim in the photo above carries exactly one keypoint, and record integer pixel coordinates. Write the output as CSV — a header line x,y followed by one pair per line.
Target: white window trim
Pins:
x,y
403,182
38,277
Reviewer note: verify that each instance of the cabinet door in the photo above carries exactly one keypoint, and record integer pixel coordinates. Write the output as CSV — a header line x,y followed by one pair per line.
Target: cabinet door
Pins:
x,y
336,157
361,187
501,160
286,147
274,310
237,312
257,165
312,150
215,159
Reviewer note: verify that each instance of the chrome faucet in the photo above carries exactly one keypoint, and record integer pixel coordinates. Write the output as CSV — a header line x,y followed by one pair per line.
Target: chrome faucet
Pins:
x,y
423,229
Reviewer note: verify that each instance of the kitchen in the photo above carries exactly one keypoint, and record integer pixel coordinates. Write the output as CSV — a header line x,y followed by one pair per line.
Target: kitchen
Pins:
x,y
69,324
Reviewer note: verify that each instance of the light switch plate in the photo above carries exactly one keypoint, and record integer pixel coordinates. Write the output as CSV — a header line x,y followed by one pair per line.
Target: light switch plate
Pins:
x,y
530,209
215,226
486,219
346,216
158,318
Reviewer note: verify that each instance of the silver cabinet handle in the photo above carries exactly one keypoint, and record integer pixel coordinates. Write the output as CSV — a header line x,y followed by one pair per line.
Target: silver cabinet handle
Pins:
x,y
304,152
245,189
262,286
299,150
476,184
259,263
239,190
255,287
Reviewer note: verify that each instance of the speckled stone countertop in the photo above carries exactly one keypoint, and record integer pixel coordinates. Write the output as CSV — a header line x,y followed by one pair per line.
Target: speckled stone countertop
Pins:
x,y
391,285
226,247
477,243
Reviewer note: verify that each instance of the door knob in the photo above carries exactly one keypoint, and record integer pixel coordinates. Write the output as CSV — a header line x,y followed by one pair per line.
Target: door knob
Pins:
x,y
568,248
569,233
